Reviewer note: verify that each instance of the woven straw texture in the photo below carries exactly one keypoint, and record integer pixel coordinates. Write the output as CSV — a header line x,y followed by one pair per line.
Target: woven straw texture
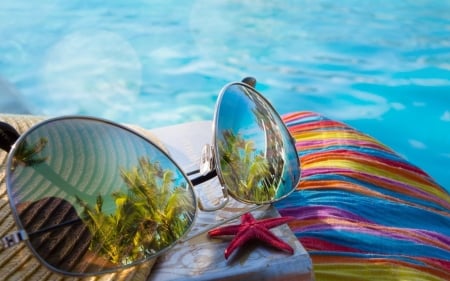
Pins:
x,y
18,263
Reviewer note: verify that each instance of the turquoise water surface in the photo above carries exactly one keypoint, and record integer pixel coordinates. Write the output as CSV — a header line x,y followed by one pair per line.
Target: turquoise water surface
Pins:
x,y
380,66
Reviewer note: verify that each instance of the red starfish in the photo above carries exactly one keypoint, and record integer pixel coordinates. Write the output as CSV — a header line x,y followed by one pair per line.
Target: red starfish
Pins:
x,y
250,229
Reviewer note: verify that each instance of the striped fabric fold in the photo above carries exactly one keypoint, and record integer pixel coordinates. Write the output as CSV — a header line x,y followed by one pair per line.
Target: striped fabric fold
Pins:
x,y
362,211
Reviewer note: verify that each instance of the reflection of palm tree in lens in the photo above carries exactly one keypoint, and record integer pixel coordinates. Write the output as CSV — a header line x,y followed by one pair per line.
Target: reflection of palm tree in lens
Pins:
x,y
26,154
150,216
245,170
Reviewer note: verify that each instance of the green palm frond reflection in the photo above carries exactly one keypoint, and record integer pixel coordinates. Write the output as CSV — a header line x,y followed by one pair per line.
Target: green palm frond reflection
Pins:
x,y
150,215
27,154
245,169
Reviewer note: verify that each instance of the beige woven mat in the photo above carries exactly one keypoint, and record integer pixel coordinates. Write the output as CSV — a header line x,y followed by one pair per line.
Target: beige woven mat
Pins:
x,y
18,263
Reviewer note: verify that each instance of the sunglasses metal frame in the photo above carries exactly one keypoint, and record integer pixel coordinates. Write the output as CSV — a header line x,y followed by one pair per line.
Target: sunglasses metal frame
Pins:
x,y
22,236
209,164
209,169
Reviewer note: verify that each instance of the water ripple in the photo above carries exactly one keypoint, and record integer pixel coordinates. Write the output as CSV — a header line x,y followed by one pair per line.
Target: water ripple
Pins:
x,y
382,66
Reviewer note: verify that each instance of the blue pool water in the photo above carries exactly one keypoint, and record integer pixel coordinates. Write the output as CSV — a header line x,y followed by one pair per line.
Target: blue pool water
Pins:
x,y
380,66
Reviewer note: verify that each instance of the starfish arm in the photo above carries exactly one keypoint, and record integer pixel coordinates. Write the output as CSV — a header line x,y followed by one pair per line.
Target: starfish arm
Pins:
x,y
272,222
257,232
268,223
269,238
252,229
247,218
240,239
225,230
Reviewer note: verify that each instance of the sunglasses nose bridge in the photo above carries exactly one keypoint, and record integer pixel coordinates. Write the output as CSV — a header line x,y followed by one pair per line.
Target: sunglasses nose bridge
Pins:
x,y
207,164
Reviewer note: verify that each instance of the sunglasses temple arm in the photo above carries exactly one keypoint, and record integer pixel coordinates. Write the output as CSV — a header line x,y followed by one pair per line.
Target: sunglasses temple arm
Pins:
x,y
21,235
203,178
251,81
13,239
8,136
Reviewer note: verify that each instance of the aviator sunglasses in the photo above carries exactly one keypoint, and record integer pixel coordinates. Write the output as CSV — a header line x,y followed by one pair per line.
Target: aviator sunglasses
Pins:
x,y
90,196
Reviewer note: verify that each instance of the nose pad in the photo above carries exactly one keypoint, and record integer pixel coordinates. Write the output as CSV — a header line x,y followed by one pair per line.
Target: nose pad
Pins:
x,y
207,160
207,164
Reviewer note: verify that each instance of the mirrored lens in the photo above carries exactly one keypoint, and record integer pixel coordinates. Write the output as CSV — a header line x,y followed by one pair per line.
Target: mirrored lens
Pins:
x,y
94,197
256,156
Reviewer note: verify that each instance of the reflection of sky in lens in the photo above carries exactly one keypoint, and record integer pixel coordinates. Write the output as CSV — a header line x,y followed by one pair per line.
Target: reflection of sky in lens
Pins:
x,y
178,178
139,147
236,114
129,149
233,104
249,115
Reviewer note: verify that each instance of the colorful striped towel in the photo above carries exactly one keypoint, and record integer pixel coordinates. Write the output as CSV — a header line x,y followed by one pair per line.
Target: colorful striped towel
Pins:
x,y
363,212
